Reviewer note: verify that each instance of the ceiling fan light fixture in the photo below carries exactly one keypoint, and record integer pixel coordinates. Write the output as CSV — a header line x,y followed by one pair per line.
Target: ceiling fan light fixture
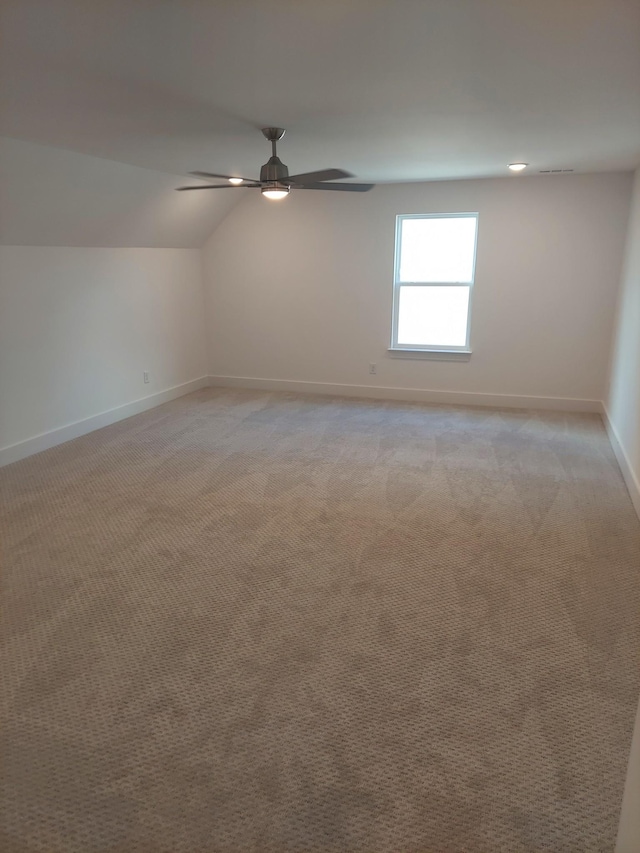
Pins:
x,y
235,180
275,191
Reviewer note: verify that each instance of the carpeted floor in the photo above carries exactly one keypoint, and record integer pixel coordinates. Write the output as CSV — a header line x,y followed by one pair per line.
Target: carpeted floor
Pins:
x,y
248,621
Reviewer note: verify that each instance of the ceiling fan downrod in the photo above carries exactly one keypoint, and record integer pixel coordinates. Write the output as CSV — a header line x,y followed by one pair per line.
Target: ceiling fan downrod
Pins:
x,y
274,171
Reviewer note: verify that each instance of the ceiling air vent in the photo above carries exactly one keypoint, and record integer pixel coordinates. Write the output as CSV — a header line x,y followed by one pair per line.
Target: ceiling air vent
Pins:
x,y
554,171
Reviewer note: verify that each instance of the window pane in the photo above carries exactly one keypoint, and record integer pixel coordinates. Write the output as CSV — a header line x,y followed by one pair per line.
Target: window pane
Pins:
x,y
437,249
433,316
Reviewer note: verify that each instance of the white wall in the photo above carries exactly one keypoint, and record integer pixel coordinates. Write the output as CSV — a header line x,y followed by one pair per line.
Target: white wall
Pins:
x,y
623,404
623,412
79,326
301,289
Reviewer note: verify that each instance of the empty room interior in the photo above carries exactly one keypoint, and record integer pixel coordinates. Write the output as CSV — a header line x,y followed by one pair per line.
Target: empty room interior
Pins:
x,y
320,496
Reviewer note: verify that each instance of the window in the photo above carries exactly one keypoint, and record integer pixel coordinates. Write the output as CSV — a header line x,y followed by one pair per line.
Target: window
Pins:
x,y
434,271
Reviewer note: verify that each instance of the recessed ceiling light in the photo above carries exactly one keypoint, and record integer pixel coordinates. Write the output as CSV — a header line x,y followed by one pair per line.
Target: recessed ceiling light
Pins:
x,y
235,180
517,167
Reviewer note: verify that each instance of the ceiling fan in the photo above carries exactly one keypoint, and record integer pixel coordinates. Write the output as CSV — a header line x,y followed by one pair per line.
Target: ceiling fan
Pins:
x,y
275,180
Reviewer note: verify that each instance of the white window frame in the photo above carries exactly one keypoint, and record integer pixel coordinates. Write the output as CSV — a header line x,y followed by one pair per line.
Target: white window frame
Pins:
x,y
419,349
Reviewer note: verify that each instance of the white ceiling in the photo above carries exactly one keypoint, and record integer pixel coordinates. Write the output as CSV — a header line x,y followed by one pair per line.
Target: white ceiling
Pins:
x,y
392,90
52,197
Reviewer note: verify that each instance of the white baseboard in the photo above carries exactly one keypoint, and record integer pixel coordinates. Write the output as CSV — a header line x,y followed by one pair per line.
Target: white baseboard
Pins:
x,y
419,395
630,477
15,452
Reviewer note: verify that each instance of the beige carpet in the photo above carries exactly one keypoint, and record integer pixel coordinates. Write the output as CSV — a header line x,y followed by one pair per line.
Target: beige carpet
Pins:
x,y
249,621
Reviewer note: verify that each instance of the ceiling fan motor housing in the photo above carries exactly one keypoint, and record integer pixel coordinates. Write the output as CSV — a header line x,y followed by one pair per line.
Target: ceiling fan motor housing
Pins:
x,y
274,170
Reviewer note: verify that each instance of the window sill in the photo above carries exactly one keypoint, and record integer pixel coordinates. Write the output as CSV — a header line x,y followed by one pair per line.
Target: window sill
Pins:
x,y
430,354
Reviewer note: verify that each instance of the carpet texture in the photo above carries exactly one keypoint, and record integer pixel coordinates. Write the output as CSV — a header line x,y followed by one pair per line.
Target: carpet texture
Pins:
x,y
248,621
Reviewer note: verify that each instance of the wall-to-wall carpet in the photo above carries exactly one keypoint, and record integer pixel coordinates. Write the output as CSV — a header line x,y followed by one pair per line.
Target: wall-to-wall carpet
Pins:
x,y
250,621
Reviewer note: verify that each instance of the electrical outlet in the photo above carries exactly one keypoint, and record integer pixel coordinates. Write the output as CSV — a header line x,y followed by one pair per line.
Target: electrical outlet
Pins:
x,y
145,376
373,368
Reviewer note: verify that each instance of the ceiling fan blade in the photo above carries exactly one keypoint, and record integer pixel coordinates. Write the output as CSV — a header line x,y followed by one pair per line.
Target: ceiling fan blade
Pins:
x,y
219,187
226,177
321,175
343,188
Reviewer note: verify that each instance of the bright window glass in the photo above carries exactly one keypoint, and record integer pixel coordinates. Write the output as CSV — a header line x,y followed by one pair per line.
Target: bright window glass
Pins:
x,y
433,316
438,249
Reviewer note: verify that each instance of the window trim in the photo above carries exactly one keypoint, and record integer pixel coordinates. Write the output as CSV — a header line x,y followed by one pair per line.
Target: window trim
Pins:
x,y
397,284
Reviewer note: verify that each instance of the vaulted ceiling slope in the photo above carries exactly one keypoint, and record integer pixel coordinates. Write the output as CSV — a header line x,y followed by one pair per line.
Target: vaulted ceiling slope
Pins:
x,y
52,197
392,90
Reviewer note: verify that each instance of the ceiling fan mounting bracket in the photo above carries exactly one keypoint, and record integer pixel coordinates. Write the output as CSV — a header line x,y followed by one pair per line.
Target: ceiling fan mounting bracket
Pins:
x,y
273,134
